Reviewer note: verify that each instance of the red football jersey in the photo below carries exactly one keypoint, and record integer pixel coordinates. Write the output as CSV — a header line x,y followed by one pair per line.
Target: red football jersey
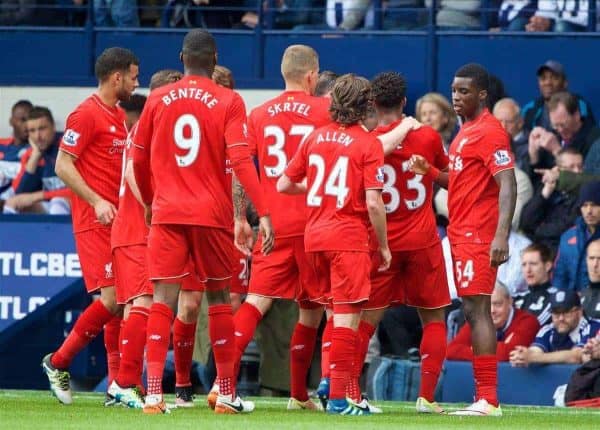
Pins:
x,y
187,127
129,226
95,133
275,131
408,196
479,151
340,163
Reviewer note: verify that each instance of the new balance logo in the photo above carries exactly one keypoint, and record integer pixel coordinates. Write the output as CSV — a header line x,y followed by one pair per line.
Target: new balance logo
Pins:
x,y
238,334
155,337
124,342
220,342
297,347
327,344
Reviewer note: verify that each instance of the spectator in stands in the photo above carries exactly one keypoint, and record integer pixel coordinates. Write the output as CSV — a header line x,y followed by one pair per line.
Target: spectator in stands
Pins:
x,y
12,148
559,16
403,14
590,297
325,83
37,188
346,14
457,14
536,264
287,14
508,112
562,340
572,131
133,109
552,79
514,15
116,13
550,212
570,272
513,327
434,109
592,160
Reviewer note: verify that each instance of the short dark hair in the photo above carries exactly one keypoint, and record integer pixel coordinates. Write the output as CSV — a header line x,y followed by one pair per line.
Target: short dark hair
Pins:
x,y
200,47
21,104
389,90
112,60
350,99
568,150
134,104
568,100
38,112
545,252
477,73
325,82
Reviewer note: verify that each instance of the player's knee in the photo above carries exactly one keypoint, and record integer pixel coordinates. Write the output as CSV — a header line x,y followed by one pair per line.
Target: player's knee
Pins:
x,y
263,304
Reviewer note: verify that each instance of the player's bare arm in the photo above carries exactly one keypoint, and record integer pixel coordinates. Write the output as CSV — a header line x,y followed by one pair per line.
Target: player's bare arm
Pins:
x,y
419,165
537,355
242,231
378,220
507,197
394,138
286,186
130,178
66,170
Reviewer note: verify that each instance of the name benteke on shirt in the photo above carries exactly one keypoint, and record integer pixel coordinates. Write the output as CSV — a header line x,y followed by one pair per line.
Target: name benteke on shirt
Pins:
x,y
335,137
190,93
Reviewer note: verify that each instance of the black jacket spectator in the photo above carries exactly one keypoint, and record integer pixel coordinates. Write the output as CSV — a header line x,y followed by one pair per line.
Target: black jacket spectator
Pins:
x,y
536,301
544,220
590,299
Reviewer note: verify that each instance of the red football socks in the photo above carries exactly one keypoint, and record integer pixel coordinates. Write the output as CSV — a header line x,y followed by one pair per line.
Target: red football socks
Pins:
x,y
111,343
86,328
220,330
245,321
133,342
485,370
183,348
326,348
342,356
433,354
159,332
302,347
365,332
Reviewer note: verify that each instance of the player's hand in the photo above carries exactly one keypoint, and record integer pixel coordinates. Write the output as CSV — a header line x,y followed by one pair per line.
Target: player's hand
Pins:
x,y
518,357
243,237
386,259
22,201
105,211
418,164
409,123
498,251
148,215
267,234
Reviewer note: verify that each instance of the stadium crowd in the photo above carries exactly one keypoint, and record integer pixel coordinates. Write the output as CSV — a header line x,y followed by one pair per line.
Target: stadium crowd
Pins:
x,y
545,300
467,15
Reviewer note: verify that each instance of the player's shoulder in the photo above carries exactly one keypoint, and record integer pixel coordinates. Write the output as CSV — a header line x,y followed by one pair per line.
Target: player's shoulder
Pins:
x,y
545,331
425,135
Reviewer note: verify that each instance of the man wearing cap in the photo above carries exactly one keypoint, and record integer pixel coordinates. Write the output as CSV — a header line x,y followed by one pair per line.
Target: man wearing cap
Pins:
x,y
551,79
562,340
590,297
570,272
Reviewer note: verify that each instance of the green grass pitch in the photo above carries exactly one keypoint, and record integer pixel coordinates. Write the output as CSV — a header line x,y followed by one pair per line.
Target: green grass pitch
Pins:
x,y
39,410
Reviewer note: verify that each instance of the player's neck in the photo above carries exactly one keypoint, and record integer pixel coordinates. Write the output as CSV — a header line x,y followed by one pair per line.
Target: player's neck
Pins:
x,y
193,71
293,86
386,118
475,115
107,96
